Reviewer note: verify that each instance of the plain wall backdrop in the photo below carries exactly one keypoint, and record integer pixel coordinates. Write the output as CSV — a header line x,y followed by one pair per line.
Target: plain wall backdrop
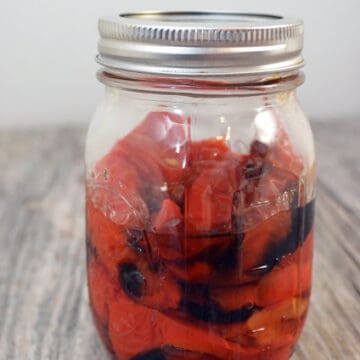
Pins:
x,y
48,70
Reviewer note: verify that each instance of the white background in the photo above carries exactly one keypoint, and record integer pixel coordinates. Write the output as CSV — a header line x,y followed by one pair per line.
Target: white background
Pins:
x,y
47,68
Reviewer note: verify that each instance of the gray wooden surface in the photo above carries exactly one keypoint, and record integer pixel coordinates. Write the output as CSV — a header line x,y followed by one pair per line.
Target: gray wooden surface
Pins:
x,y
43,298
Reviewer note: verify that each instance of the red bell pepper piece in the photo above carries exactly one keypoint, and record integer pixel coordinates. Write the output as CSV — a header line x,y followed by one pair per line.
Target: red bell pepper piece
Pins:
x,y
208,203
168,240
258,240
198,272
157,148
101,290
278,325
280,151
112,248
169,218
115,190
109,239
135,329
290,278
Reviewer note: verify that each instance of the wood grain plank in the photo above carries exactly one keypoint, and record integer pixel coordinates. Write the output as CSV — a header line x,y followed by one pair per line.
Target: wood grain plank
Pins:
x,y
332,330
43,297
339,161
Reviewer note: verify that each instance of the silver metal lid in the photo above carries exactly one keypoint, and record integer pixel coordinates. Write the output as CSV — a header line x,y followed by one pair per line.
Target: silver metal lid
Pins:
x,y
200,44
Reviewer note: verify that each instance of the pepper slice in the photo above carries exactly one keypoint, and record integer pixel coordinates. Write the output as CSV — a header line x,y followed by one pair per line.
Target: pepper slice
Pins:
x,y
115,189
215,175
109,239
101,290
169,242
259,240
290,278
209,202
262,197
112,246
278,325
172,353
166,230
168,219
199,271
135,329
278,148
157,148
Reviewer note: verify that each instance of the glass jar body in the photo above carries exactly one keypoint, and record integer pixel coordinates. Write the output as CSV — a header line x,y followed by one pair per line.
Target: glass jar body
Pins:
x,y
199,223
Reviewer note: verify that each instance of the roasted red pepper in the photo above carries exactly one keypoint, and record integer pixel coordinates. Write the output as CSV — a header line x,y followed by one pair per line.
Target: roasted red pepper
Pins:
x,y
197,251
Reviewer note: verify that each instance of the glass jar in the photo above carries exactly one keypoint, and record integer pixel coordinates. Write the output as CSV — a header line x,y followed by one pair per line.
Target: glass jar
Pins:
x,y
200,188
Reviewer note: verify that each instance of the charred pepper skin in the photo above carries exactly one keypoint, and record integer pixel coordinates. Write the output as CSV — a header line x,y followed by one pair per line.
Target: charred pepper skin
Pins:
x,y
156,354
211,312
131,279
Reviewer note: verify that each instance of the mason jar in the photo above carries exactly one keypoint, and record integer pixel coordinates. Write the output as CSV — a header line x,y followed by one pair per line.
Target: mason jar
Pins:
x,y
199,187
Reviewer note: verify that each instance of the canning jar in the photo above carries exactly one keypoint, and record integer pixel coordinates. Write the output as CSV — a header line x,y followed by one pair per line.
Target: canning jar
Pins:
x,y
199,187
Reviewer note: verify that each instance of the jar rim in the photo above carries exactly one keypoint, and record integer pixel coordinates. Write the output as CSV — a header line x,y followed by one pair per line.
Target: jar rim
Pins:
x,y
199,87
200,44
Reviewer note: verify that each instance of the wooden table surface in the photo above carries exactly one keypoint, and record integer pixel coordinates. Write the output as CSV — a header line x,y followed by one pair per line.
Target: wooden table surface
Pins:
x,y
43,298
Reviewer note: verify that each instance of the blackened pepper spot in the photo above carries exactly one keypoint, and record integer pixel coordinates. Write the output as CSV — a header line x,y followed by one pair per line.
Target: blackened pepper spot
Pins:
x,y
252,168
230,258
302,219
259,148
309,217
236,216
155,354
255,167
212,313
131,279
135,239
302,223
172,352
195,290
195,287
